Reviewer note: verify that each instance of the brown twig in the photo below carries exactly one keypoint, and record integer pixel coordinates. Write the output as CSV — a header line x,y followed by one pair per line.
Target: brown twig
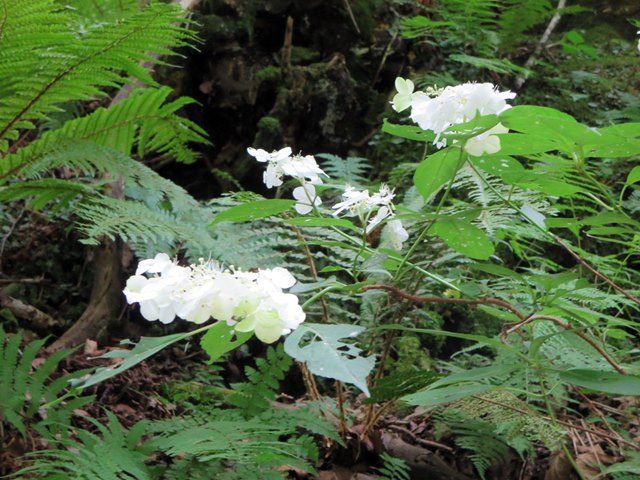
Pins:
x,y
421,441
494,301
567,326
561,422
38,280
463,301
601,276
542,42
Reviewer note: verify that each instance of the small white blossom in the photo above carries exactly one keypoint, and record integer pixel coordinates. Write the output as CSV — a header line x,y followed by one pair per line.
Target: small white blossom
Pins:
x,y
395,234
357,201
405,96
307,198
380,215
486,142
280,163
303,168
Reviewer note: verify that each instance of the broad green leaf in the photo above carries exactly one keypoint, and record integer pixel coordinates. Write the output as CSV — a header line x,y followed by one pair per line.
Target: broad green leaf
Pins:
x,y
436,170
497,371
146,347
220,339
615,141
253,210
525,144
608,382
410,132
551,123
464,237
463,131
327,356
634,175
448,394
507,168
321,222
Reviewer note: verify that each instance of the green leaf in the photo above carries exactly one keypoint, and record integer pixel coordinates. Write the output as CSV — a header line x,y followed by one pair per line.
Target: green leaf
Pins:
x,y
146,347
321,222
507,168
608,382
220,339
436,170
463,131
448,394
253,210
410,132
634,175
464,237
327,356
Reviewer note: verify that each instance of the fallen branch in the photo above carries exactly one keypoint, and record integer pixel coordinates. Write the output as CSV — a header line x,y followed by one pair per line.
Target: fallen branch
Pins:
x,y
23,311
542,42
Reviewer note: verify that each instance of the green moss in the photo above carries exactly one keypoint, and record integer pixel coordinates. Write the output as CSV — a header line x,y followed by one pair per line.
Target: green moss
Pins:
x,y
270,125
269,74
268,129
303,55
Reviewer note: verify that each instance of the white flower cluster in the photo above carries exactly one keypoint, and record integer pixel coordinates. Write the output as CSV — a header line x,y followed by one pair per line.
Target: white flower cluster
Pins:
x,y
303,168
306,170
437,110
248,301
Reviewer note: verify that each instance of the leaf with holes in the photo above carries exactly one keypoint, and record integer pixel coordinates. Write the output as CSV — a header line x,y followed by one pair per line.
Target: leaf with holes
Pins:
x,y
328,356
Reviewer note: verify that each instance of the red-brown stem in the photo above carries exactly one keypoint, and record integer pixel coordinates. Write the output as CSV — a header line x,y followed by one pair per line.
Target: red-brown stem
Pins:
x,y
494,301
601,276
567,326
463,301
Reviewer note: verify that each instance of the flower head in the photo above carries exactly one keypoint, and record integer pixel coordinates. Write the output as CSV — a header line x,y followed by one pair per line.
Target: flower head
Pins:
x,y
437,110
250,301
280,163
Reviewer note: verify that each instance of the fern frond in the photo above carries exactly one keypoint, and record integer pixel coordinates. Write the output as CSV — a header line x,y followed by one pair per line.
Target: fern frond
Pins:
x,y
351,170
114,454
80,67
134,221
143,117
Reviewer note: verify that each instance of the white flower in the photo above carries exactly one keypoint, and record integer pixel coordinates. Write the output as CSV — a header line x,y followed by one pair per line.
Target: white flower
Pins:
x,y
357,201
272,177
303,168
154,265
486,142
382,213
455,105
306,197
281,163
273,157
405,96
395,234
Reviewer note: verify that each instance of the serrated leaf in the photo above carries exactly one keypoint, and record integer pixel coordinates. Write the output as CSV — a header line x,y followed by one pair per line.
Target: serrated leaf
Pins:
x,y
220,339
253,211
327,356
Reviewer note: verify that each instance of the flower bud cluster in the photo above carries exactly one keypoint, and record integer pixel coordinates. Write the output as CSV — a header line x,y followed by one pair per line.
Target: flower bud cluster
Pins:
x,y
437,110
251,301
